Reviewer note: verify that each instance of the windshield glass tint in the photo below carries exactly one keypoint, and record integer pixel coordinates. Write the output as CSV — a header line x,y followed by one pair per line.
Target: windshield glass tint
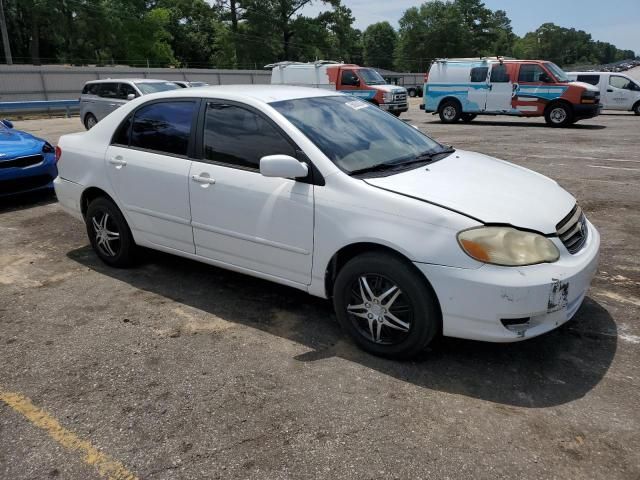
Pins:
x,y
371,77
154,87
355,134
560,74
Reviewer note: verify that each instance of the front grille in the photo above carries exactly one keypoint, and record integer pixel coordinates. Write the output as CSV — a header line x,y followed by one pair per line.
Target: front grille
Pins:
x,y
400,97
17,185
572,230
22,162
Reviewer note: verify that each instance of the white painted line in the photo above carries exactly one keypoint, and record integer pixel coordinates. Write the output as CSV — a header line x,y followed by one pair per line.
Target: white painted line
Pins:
x,y
615,168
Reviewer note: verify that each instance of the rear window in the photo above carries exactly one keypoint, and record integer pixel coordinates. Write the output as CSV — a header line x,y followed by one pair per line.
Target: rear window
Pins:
x,y
155,87
163,127
591,79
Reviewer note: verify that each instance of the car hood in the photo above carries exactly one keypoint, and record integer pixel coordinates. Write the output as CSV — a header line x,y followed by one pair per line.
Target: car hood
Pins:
x,y
389,88
14,143
487,189
586,86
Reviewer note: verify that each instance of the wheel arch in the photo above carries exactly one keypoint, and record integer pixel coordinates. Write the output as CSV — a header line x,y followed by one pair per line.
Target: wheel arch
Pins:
x,y
559,101
89,195
448,99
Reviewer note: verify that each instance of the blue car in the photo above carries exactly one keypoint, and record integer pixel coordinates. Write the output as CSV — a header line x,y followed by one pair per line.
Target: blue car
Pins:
x,y
27,163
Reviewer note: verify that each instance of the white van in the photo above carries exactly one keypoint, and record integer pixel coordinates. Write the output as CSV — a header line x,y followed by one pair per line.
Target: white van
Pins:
x,y
617,90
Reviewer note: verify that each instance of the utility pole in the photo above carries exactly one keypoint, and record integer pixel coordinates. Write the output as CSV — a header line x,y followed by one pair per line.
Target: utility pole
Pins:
x,y
5,36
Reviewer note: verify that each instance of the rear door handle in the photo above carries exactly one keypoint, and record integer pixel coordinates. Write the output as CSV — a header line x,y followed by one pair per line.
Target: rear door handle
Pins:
x,y
204,180
118,161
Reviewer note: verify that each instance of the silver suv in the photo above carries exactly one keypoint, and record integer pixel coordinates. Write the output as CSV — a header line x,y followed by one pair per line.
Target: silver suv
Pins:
x,y
101,97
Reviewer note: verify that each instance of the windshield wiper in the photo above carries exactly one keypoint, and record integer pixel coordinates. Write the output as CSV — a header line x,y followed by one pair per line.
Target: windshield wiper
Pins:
x,y
425,157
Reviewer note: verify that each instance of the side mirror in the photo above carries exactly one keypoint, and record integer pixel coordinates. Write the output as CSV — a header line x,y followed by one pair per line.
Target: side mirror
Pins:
x,y
7,123
131,96
282,166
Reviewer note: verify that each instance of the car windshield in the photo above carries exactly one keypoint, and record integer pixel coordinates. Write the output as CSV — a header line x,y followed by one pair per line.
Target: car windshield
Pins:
x,y
560,74
154,87
356,135
371,77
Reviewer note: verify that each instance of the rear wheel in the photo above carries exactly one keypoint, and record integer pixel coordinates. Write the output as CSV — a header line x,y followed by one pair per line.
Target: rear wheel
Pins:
x,y
90,121
468,117
450,111
412,92
558,115
109,233
385,305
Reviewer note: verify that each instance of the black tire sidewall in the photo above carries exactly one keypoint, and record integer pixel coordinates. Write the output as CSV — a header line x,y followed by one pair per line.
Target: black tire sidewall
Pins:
x,y
569,120
125,256
450,103
636,109
426,322
86,120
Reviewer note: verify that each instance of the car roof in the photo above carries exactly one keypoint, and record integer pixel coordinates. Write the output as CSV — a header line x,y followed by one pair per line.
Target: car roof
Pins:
x,y
261,93
137,80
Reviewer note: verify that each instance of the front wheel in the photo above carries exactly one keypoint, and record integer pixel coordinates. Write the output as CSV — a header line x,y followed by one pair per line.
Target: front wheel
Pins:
x,y
109,233
90,121
396,114
412,92
636,108
450,111
385,305
559,115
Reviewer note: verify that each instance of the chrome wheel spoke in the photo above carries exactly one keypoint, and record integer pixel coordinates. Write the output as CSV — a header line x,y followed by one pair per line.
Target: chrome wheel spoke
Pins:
x,y
379,324
393,298
112,235
103,235
365,290
96,224
389,292
107,247
394,322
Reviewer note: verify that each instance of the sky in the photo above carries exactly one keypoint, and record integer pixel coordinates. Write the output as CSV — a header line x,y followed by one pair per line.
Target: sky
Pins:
x,y
613,21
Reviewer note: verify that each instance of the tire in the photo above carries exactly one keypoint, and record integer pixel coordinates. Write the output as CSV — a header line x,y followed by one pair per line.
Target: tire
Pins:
x,y
450,111
416,318
90,121
396,114
636,109
558,115
109,233
468,117
412,92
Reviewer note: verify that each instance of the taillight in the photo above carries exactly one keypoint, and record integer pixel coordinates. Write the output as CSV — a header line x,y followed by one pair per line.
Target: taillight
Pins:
x,y
58,153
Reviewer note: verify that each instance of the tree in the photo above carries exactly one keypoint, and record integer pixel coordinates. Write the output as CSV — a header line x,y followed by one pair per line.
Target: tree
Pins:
x,y
379,43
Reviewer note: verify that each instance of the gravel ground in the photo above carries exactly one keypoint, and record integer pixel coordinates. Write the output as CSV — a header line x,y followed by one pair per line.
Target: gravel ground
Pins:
x,y
181,370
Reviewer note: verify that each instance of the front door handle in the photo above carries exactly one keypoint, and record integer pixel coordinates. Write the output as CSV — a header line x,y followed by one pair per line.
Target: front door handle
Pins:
x,y
118,161
204,180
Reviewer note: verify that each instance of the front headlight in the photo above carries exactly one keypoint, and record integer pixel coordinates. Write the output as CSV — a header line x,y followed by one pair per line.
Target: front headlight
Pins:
x,y
507,246
387,97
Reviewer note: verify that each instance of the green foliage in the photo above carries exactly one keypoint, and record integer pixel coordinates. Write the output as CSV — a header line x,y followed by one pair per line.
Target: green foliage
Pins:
x,y
252,33
378,44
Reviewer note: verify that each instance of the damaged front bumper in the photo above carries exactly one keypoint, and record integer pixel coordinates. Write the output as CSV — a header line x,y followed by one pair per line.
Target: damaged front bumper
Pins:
x,y
508,304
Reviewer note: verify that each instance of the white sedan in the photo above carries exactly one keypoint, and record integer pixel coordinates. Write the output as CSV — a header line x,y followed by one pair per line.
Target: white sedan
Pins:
x,y
328,194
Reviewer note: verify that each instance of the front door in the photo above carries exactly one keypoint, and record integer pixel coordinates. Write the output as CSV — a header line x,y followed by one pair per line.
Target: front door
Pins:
x,y
620,93
239,217
148,166
500,89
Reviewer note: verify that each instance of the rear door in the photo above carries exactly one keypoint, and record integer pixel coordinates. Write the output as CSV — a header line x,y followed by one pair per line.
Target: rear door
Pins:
x,y
240,217
148,165
500,90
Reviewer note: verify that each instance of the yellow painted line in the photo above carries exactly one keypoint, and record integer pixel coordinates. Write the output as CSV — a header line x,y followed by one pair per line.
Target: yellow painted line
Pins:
x,y
106,466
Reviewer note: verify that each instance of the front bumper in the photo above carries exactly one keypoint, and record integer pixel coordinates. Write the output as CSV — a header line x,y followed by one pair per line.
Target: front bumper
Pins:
x,y
584,111
18,180
395,107
475,303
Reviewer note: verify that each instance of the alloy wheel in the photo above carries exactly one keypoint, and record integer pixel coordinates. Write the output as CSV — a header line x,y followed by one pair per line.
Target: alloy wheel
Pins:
x,y
379,310
106,233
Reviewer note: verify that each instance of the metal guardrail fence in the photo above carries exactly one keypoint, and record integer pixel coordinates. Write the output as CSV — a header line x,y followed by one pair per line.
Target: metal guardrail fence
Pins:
x,y
40,106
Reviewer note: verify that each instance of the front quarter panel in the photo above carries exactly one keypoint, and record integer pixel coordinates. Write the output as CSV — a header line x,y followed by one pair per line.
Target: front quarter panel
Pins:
x,y
349,211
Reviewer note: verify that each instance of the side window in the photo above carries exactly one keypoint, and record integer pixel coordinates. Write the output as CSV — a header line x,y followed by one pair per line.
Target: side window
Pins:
x,y
91,89
239,137
499,74
479,74
531,73
122,135
590,79
108,90
348,78
619,82
126,89
164,127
